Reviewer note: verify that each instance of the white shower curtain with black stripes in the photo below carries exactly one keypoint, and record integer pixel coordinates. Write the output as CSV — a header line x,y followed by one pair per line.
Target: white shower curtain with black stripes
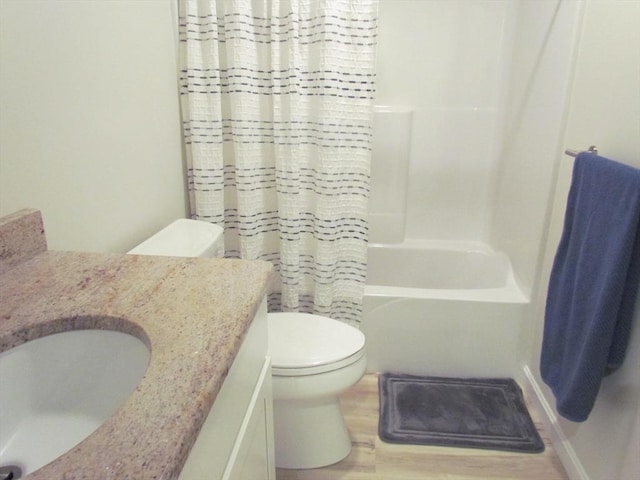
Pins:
x,y
276,101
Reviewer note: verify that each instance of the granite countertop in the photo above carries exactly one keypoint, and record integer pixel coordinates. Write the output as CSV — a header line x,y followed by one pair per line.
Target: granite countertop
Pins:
x,y
191,312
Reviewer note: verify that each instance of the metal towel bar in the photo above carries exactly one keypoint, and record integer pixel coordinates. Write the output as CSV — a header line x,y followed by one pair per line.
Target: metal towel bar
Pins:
x,y
574,153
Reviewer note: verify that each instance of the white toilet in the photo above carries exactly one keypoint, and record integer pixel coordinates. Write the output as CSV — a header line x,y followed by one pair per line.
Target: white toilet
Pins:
x,y
313,358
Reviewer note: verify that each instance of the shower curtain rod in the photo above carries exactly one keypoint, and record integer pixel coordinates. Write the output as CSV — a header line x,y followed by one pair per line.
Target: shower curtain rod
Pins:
x,y
575,153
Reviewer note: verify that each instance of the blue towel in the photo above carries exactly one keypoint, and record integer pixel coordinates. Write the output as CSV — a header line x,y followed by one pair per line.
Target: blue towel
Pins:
x,y
593,283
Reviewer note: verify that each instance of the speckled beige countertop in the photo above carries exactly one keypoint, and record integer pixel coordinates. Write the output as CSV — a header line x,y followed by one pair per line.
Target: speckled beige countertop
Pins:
x,y
192,313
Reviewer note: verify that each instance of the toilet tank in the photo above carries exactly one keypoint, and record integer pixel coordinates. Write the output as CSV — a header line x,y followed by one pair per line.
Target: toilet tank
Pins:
x,y
184,238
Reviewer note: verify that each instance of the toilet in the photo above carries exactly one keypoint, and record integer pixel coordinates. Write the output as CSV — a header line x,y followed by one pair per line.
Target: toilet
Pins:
x,y
314,359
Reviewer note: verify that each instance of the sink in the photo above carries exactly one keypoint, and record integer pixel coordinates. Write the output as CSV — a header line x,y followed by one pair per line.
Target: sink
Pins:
x,y
56,390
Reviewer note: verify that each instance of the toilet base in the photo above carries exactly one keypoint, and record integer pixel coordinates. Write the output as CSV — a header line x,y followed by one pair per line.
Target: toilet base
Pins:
x,y
309,434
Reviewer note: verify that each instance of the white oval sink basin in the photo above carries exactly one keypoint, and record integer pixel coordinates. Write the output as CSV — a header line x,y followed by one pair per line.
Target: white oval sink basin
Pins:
x,y
56,390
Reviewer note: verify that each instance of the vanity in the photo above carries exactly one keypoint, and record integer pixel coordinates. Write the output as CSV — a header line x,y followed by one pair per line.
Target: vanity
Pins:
x,y
203,408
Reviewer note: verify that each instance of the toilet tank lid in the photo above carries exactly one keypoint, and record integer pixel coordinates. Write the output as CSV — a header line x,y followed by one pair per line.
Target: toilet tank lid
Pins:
x,y
300,340
183,238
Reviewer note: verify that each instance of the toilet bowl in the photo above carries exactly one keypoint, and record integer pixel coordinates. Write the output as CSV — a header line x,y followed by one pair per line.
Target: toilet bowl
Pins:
x,y
313,359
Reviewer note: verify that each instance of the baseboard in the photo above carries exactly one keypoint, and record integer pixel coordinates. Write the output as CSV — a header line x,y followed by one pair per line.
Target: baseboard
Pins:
x,y
561,443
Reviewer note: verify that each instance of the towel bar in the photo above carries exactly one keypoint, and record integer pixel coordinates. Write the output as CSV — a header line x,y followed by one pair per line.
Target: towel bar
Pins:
x,y
574,153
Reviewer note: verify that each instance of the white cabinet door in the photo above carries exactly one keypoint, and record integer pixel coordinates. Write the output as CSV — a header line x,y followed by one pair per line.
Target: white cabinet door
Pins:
x,y
253,457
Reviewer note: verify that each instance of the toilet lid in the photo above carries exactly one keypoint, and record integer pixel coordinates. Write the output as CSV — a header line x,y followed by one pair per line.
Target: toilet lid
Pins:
x,y
303,340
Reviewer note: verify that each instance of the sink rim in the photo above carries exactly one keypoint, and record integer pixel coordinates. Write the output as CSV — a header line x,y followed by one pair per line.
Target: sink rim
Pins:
x,y
23,334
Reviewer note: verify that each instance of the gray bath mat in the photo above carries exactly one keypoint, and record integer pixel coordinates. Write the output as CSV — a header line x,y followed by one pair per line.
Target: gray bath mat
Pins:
x,y
456,412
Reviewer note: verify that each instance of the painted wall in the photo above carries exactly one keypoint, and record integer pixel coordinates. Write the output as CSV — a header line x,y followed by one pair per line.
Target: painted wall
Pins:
x,y
89,119
605,111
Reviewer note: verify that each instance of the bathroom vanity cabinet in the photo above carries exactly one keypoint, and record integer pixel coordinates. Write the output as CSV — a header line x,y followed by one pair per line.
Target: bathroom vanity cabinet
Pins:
x,y
208,380
236,440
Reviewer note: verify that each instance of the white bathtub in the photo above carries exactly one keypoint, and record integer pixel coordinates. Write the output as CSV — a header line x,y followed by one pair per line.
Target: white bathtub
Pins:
x,y
442,309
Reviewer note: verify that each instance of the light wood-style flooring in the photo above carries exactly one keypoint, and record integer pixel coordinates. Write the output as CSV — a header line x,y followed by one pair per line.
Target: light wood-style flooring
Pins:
x,y
372,459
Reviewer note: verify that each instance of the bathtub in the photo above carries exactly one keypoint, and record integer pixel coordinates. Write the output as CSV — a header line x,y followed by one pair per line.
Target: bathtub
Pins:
x,y
442,309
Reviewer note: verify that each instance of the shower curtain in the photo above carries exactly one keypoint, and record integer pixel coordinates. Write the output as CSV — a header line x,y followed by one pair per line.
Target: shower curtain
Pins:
x,y
276,100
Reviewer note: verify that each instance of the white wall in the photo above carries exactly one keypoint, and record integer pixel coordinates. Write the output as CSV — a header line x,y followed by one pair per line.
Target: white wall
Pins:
x,y
605,111
89,119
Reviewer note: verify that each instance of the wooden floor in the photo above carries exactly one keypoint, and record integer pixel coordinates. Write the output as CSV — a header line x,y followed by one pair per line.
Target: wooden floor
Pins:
x,y
372,459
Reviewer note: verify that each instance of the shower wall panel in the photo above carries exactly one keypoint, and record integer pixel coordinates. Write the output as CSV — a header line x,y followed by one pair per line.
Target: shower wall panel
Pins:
x,y
448,60
389,173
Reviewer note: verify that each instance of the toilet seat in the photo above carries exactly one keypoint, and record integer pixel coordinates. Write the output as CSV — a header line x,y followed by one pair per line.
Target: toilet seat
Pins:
x,y
307,344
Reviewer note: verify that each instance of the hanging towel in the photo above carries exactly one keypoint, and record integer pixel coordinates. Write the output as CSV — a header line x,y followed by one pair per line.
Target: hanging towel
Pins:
x,y
593,283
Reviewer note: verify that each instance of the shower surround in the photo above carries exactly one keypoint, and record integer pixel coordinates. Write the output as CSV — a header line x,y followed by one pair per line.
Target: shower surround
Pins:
x,y
482,102
487,84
